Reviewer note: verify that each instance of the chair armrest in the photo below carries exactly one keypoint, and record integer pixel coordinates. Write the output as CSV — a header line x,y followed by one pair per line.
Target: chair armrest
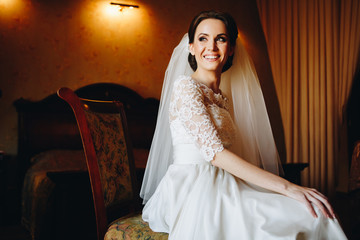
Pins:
x,y
292,171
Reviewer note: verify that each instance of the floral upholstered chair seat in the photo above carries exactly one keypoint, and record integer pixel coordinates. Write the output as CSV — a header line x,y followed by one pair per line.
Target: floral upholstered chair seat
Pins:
x,y
132,227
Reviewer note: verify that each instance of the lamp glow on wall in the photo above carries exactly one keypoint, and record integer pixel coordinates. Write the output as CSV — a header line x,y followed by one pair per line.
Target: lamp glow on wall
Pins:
x,y
122,5
11,7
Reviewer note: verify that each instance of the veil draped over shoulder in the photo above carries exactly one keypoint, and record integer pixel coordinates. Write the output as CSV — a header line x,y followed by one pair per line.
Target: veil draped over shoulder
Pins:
x,y
240,84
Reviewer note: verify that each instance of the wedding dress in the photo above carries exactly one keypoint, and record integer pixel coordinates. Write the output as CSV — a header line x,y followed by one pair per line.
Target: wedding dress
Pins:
x,y
195,200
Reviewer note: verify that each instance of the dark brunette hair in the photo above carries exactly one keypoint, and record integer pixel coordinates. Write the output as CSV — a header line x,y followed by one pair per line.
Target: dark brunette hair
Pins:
x,y
231,28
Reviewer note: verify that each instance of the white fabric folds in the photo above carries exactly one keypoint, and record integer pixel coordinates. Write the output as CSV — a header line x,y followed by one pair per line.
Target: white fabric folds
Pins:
x,y
189,198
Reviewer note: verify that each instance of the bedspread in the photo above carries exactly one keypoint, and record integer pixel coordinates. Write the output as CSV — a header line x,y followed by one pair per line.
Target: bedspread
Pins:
x,y
38,188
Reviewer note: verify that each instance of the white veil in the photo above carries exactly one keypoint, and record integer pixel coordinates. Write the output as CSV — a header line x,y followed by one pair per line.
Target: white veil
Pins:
x,y
255,142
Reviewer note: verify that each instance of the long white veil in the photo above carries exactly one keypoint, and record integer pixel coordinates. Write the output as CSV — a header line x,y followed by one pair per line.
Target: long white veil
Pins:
x,y
255,142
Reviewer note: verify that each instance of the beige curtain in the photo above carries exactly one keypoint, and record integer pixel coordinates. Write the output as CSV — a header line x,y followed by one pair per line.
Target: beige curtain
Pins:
x,y
313,47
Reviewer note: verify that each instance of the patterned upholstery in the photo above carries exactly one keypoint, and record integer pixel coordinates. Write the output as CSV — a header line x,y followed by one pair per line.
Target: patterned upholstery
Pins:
x,y
132,227
112,155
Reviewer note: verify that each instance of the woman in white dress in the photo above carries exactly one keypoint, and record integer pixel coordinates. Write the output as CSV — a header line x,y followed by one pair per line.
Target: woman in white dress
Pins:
x,y
213,166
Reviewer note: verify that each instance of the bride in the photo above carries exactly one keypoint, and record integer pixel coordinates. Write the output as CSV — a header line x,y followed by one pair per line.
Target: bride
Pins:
x,y
213,166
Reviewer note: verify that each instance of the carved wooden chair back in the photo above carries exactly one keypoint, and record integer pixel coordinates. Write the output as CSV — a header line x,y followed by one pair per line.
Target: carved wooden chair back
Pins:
x,y
108,151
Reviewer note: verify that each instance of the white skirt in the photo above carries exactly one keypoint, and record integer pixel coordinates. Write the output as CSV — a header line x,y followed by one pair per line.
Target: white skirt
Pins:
x,y
202,202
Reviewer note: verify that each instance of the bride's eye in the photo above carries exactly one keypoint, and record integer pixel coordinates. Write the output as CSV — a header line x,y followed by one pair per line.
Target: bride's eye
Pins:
x,y
221,39
201,39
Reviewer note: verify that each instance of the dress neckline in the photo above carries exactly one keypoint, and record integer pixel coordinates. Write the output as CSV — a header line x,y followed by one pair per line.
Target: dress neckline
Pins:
x,y
219,94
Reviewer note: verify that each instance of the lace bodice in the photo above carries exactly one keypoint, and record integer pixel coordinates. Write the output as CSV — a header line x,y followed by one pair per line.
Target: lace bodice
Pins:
x,y
201,117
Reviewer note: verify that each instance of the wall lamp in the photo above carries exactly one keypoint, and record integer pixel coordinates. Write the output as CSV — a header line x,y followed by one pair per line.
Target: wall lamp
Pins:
x,y
122,5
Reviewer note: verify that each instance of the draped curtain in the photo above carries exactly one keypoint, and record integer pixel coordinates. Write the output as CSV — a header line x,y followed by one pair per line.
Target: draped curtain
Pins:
x,y
313,47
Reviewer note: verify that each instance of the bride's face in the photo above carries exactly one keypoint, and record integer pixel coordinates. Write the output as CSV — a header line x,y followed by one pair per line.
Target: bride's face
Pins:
x,y
211,45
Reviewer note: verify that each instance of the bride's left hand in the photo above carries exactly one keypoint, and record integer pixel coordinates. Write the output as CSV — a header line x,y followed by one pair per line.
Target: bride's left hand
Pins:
x,y
310,196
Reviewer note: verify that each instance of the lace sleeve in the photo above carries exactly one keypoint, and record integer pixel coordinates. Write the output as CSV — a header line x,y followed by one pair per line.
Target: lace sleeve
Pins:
x,y
188,105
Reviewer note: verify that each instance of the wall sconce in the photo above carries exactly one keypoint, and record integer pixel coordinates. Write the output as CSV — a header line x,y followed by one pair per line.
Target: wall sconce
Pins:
x,y
122,5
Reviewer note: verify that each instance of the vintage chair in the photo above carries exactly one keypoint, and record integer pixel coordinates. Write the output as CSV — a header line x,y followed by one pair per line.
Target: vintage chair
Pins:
x,y
109,157
50,150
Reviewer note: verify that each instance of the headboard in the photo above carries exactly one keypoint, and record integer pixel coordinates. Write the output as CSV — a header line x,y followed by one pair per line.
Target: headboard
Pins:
x,y
49,123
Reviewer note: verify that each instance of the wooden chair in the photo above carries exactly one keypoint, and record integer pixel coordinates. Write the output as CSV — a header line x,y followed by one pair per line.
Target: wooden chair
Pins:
x,y
109,157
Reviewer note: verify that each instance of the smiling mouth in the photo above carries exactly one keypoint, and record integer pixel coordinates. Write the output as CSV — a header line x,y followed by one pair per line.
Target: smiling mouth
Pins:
x,y
212,58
